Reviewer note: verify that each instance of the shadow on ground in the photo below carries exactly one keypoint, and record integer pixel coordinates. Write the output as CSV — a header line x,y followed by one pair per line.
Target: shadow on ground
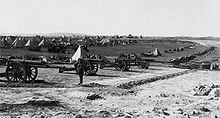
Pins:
x,y
35,84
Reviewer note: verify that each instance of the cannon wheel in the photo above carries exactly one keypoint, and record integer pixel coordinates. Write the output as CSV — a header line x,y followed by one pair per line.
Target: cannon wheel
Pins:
x,y
16,72
143,65
32,72
121,65
95,68
87,67
176,63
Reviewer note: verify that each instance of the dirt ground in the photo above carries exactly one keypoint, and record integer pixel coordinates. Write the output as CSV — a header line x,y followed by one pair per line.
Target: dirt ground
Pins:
x,y
156,92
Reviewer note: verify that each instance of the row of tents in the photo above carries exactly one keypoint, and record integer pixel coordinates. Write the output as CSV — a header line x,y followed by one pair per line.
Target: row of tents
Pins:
x,y
20,43
32,44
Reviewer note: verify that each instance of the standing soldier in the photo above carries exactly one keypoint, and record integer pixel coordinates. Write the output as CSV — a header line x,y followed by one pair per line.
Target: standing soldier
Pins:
x,y
80,67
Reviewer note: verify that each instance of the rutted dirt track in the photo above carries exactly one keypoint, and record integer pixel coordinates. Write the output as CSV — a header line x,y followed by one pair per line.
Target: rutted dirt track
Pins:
x,y
156,92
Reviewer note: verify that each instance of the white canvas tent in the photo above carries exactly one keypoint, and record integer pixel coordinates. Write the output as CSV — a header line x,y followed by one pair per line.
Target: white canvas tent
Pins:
x,y
29,43
4,42
156,52
80,53
9,40
42,45
17,43
105,41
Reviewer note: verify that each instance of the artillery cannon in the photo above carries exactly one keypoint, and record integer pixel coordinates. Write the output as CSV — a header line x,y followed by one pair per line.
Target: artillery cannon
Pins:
x,y
90,66
24,70
20,70
124,62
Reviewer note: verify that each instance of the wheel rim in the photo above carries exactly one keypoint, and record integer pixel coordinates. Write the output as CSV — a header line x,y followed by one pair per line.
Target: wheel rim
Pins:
x,y
121,65
15,73
143,65
87,67
31,73
94,68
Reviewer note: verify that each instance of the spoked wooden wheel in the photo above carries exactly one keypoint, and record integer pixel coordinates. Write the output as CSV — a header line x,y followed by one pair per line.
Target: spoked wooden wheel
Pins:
x,y
87,66
31,73
116,66
144,65
176,62
94,69
16,72
121,65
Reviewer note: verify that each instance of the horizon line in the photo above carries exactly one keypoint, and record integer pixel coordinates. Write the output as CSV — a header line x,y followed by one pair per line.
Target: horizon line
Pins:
x,y
80,34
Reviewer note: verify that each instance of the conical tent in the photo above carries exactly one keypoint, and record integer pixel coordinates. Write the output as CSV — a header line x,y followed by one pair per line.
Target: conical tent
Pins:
x,y
42,43
14,42
17,43
43,46
9,40
156,52
61,40
5,42
104,41
53,40
29,43
68,40
80,53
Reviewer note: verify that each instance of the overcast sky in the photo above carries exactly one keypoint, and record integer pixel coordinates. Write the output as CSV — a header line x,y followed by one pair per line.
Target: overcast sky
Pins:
x,y
138,17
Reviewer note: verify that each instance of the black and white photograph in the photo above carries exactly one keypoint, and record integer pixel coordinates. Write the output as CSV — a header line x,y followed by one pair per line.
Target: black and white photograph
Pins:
x,y
110,59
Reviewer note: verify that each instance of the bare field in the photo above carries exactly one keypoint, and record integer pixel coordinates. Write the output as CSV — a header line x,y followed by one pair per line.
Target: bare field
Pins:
x,y
71,96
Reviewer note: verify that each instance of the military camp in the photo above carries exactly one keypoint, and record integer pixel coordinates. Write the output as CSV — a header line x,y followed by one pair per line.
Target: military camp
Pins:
x,y
110,59
114,64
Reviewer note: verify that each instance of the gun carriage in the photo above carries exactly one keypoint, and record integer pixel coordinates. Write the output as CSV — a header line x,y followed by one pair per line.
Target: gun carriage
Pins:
x,y
124,62
18,70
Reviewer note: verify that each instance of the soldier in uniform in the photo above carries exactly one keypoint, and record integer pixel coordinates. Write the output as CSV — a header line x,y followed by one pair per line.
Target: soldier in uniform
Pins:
x,y
81,70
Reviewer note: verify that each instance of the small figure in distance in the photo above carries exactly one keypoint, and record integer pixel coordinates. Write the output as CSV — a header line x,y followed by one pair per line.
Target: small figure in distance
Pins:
x,y
80,66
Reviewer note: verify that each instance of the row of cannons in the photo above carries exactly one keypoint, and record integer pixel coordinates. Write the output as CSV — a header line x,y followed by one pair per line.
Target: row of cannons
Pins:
x,y
183,59
20,70
179,49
